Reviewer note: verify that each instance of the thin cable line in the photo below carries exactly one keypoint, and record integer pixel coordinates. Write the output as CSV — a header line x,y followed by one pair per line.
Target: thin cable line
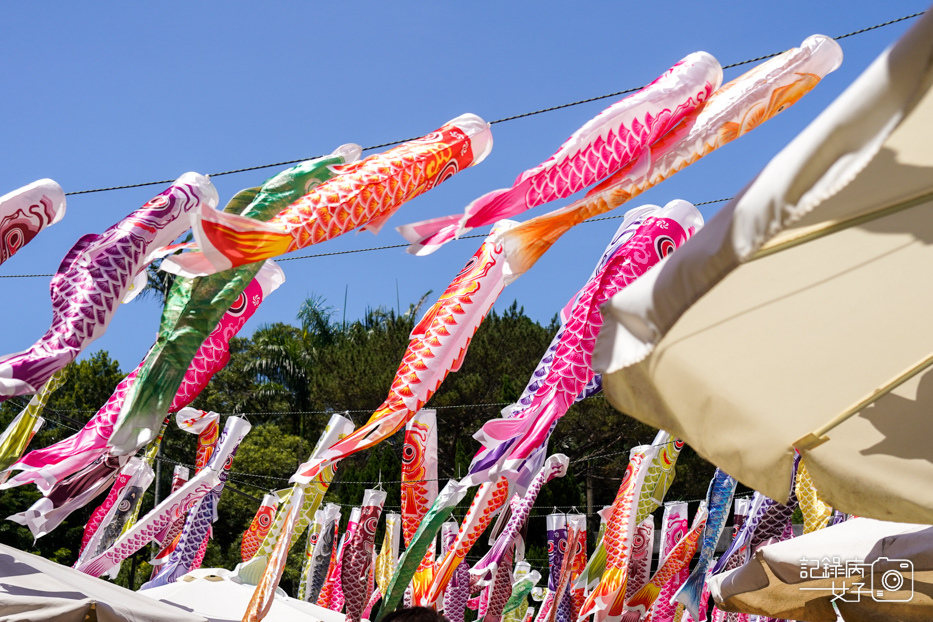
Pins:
x,y
376,248
502,120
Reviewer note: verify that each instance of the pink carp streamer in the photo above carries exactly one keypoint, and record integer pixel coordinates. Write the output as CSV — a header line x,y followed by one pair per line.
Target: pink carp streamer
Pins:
x,y
639,564
102,514
489,459
419,489
338,599
438,345
45,467
95,276
258,529
27,211
214,353
364,194
734,110
516,439
500,589
264,594
357,561
676,563
674,526
618,538
458,590
620,135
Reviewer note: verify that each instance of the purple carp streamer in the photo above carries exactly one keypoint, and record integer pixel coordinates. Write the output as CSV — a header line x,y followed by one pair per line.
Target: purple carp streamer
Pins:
x,y
27,211
358,555
197,527
618,136
95,276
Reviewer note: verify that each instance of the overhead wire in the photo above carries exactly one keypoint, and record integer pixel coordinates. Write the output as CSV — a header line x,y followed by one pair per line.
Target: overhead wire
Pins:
x,y
502,120
398,142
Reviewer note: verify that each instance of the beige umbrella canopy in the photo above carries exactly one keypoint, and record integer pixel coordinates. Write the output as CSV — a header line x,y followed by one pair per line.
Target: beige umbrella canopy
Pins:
x,y
873,571
804,310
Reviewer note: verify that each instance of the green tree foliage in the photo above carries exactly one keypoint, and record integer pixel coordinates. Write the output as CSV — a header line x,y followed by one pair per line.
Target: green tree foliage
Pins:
x,y
291,378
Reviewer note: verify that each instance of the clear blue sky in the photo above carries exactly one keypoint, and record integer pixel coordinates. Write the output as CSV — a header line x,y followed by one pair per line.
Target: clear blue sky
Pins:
x,y
130,92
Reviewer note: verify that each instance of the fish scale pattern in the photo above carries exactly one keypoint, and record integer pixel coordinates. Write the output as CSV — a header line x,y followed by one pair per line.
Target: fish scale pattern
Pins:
x,y
617,539
365,193
653,599
500,589
358,556
572,368
639,564
94,277
438,344
259,527
618,136
732,111
487,502
718,502
488,567
457,593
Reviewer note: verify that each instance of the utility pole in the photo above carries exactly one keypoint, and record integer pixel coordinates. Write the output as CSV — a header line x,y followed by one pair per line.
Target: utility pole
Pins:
x,y
589,489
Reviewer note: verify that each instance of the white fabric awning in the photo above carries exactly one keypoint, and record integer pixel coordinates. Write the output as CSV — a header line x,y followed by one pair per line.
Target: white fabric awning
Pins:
x,y
35,589
803,296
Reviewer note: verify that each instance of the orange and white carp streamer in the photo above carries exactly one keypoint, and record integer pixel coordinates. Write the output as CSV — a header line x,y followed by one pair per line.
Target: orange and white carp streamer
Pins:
x,y
363,194
419,490
438,345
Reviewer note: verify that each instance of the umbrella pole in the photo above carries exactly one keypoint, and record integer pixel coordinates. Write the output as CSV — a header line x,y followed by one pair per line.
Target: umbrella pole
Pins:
x,y
818,436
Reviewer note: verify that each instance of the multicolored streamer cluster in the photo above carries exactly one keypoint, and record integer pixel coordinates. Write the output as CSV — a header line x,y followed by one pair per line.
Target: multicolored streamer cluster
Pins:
x,y
732,111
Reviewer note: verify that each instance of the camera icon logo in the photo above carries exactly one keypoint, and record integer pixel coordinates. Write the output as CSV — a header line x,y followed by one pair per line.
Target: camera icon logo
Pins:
x,y
892,580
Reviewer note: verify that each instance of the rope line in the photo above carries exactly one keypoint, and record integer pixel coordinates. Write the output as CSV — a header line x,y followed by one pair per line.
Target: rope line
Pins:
x,y
502,120
379,248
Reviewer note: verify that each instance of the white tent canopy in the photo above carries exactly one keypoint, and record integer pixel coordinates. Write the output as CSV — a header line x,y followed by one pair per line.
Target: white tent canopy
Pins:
x,y
35,589
218,595
802,297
